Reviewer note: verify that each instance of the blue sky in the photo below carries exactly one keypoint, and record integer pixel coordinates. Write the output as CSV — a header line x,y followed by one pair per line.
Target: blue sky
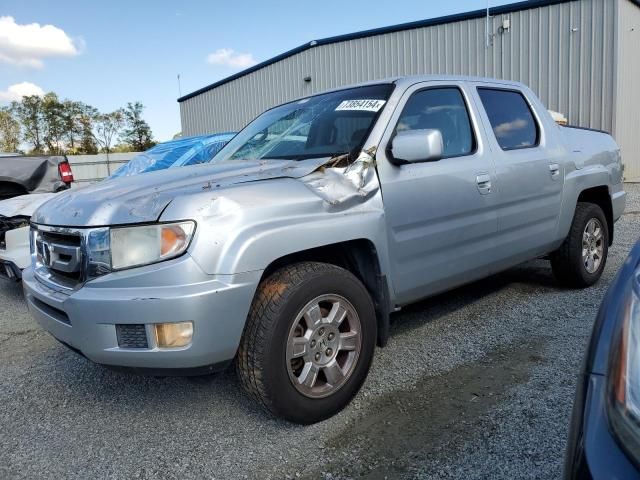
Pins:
x,y
107,53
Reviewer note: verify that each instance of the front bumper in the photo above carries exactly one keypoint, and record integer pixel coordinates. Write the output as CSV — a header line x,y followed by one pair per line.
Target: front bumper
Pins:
x,y
593,451
16,256
173,291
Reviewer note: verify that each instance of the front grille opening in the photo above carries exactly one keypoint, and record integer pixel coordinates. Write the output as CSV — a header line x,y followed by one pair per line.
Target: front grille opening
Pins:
x,y
132,336
64,238
74,277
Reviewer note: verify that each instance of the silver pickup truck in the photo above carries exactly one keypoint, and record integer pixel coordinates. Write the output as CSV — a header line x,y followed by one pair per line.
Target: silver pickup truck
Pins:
x,y
289,251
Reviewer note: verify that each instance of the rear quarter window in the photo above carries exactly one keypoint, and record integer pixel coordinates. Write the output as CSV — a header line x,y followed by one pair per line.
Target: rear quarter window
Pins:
x,y
511,118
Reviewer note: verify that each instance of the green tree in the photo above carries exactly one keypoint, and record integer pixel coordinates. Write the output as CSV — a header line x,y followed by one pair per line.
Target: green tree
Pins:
x,y
106,128
122,148
49,124
30,115
137,132
88,143
72,113
9,131
54,124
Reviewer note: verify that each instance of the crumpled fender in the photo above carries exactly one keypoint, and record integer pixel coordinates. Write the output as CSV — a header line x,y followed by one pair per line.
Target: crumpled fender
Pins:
x,y
247,227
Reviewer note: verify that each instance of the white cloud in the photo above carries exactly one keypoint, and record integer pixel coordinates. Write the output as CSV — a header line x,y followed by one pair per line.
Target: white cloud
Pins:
x,y
28,44
19,90
507,128
230,58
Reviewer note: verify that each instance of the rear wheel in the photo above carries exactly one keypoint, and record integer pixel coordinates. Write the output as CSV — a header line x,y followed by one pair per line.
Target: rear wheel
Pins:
x,y
308,342
580,260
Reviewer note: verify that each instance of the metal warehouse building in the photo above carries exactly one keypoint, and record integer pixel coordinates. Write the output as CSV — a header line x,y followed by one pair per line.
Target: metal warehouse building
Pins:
x,y
582,58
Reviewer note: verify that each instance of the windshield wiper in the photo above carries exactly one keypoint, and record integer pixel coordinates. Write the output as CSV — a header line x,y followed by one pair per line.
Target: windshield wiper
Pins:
x,y
298,157
338,158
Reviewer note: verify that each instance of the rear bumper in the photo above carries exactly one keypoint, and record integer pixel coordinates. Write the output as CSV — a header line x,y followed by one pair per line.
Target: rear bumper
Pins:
x,y
86,319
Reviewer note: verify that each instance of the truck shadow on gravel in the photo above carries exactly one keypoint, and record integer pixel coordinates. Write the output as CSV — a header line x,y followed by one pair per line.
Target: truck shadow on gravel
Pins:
x,y
430,420
533,276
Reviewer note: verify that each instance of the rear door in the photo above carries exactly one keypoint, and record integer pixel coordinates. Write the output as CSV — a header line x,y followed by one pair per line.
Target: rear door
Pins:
x,y
440,215
529,170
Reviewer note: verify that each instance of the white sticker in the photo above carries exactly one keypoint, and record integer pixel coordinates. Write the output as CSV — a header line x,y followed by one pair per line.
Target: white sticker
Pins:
x,y
363,104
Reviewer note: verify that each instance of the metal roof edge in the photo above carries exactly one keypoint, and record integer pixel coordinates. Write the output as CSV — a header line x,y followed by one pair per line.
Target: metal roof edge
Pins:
x,y
430,22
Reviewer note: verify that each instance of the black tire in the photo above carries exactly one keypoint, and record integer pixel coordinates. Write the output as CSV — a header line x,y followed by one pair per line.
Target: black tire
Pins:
x,y
261,362
566,262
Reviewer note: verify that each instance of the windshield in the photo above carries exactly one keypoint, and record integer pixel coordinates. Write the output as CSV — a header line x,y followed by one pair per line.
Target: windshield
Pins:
x,y
324,125
176,153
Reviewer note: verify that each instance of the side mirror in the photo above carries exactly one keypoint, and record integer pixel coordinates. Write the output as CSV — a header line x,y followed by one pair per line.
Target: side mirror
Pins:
x,y
417,146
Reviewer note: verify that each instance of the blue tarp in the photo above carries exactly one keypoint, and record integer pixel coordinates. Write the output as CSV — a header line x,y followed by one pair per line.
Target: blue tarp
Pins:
x,y
175,153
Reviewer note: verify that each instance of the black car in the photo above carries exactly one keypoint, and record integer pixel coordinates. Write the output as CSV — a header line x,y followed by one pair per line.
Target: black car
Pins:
x,y
23,174
604,441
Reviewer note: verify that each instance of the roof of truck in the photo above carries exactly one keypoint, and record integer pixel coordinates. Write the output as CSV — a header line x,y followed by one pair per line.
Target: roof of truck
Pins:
x,y
403,80
429,22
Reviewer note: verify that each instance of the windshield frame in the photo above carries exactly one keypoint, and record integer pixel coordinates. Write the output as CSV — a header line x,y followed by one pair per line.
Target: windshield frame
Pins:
x,y
238,142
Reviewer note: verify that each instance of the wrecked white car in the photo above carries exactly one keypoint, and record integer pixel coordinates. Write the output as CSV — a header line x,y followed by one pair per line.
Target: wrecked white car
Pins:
x,y
315,222
15,214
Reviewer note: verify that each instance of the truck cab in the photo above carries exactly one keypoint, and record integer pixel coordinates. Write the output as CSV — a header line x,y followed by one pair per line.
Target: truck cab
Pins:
x,y
286,255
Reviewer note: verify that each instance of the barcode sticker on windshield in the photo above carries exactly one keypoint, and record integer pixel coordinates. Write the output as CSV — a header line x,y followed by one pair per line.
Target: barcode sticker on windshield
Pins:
x,y
363,104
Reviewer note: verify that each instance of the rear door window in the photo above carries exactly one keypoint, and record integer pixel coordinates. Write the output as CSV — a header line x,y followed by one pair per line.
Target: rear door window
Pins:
x,y
511,119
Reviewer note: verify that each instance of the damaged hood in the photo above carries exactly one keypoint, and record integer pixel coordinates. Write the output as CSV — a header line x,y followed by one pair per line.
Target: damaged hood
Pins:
x,y
143,198
24,205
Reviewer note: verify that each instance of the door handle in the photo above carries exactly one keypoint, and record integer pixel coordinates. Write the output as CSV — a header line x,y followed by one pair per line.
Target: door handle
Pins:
x,y
554,170
484,183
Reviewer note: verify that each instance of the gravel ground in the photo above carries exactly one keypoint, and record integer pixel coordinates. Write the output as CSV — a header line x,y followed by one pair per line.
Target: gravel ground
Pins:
x,y
475,383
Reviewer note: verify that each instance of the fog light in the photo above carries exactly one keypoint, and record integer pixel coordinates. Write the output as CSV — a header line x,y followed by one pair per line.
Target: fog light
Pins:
x,y
171,335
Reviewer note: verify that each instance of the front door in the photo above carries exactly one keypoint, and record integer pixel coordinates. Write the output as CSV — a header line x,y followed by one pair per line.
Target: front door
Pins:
x,y
441,215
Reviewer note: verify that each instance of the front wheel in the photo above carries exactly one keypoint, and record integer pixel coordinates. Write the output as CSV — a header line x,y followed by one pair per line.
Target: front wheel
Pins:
x,y
581,258
309,341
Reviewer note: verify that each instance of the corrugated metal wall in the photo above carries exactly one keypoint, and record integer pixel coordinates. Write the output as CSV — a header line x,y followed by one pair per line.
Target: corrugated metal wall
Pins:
x,y
627,121
564,52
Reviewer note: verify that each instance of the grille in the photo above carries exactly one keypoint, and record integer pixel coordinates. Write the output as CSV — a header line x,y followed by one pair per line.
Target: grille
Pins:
x,y
60,254
132,336
55,237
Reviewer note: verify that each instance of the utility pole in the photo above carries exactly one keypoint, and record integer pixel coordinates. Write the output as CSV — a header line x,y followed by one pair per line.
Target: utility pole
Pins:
x,y
486,27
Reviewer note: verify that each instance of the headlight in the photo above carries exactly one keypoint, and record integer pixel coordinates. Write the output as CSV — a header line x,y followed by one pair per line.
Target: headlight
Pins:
x,y
625,375
145,244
